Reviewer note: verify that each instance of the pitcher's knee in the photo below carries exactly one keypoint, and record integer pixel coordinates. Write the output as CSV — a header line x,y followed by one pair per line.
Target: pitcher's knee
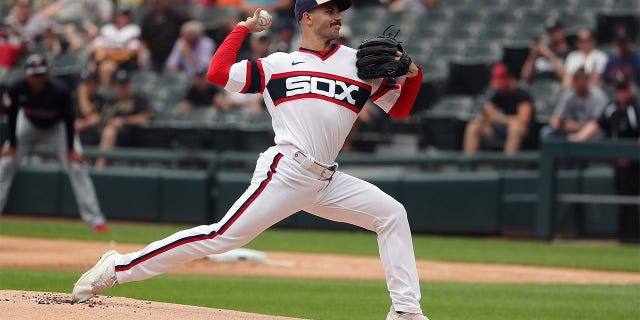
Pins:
x,y
396,215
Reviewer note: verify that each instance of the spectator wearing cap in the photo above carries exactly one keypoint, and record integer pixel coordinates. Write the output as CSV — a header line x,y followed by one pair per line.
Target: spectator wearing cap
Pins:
x,y
40,110
577,106
192,50
259,44
508,114
625,60
587,56
204,96
161,25
121,115
117,46
620,119
284,32
546,60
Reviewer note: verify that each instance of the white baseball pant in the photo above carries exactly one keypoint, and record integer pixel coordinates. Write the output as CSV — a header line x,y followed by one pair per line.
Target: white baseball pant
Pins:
x,y
279,188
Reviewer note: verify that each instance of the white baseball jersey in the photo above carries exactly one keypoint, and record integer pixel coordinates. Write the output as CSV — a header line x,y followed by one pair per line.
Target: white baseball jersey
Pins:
x,y
313,98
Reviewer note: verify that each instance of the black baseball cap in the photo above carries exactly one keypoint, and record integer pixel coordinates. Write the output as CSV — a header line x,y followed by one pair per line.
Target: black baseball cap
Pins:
x,y
621,81
553,25
36,64
122,76
303,6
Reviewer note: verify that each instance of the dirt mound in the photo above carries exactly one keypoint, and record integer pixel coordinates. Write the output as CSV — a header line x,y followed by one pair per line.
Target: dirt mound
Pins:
x,y
29,305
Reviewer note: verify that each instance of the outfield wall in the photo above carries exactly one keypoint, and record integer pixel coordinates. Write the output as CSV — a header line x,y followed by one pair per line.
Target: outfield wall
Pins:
x,y
483,202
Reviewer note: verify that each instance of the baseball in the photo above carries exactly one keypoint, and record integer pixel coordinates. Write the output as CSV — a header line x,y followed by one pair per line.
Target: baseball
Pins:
x,y
264,18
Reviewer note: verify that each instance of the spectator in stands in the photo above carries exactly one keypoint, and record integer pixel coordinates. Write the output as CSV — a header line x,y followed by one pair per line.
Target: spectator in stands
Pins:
x,y
23,25
621,119
98,11
203,94
546,60
121,116
259,44
625,61
10,49
577,106
161,25
117,46
587,56
508,115
192,50
89,105
284,31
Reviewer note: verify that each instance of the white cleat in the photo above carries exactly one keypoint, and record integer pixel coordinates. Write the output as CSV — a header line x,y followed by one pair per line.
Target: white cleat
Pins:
x,y
393,315
100,278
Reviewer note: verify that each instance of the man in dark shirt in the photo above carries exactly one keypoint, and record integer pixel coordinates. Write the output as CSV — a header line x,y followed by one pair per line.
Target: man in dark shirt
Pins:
x,y
40,110
202,95
621,120
160,29
120,116
508,115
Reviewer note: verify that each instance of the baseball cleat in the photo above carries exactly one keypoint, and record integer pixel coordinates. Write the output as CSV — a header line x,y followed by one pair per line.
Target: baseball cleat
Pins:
x,y
101,228
393,315
99,278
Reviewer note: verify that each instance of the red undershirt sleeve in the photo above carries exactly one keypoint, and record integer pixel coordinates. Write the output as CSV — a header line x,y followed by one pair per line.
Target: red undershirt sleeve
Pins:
x,y
225,56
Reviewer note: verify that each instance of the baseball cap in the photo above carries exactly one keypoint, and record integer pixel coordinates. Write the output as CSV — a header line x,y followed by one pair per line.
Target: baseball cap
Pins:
x,y
553,25
621,81
36,64
303,6
499,75
122,76
264,34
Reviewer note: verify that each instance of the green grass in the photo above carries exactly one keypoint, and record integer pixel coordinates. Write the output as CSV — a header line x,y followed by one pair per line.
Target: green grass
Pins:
x,y
590,256
339,300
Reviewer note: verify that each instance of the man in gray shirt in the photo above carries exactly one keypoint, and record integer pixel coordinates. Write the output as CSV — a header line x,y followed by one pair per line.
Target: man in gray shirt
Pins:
x,y
577,106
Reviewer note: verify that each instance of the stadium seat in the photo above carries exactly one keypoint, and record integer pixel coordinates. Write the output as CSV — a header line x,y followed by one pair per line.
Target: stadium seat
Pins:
x,y
468,76
595,5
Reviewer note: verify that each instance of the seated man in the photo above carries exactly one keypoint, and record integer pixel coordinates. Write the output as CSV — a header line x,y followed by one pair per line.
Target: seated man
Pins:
x,y
202,94
620,119
507,115
577,106
121,115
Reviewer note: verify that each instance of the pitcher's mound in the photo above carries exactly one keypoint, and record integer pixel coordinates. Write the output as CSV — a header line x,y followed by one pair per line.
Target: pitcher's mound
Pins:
x,y
57,306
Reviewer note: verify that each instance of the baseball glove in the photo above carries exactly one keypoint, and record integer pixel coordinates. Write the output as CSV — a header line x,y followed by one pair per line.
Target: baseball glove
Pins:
x,y
376,58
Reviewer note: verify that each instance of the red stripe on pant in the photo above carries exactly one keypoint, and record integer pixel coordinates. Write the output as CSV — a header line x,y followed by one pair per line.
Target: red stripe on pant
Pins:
x,y
213,234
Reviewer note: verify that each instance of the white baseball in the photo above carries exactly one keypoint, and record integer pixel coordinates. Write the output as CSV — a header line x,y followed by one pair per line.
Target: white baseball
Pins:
x,y
264,18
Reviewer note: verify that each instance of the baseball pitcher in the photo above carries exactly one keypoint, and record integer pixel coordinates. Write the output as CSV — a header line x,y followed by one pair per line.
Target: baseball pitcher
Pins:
x,y
314,96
